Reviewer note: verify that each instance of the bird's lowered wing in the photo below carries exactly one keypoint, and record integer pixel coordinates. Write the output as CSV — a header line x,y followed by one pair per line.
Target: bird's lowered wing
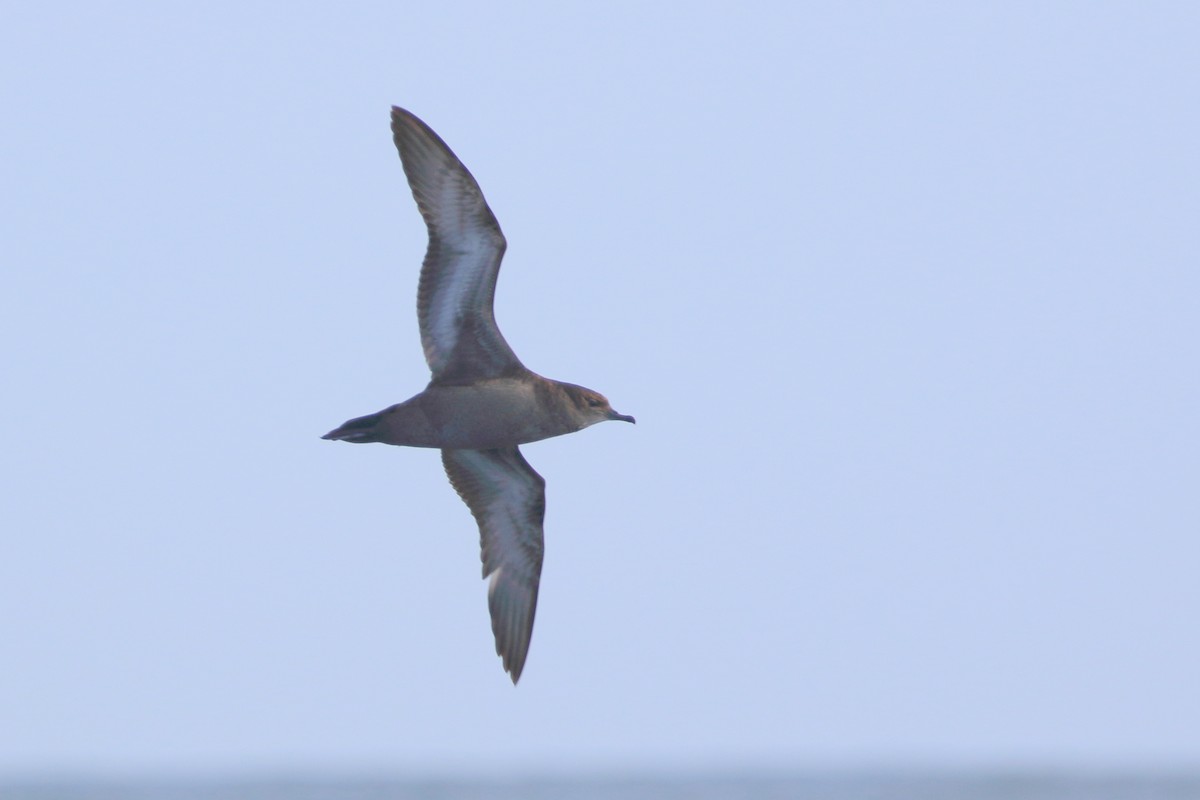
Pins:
x,y
508,499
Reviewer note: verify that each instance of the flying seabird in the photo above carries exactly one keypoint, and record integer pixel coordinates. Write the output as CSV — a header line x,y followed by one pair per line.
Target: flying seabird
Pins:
x,y
481,402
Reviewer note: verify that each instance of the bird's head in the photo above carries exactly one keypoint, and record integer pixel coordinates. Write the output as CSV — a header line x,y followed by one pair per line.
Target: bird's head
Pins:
x,y
592,406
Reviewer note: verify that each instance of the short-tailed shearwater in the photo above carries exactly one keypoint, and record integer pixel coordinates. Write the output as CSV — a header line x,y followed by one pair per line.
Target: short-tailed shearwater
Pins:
x,y
481,401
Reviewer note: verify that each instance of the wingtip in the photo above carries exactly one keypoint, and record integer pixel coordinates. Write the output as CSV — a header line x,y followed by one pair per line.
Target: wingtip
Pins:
x,y
512,658
400,115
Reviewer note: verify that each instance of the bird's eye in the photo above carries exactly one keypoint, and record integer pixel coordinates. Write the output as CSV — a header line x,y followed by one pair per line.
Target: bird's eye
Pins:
x,y
594,403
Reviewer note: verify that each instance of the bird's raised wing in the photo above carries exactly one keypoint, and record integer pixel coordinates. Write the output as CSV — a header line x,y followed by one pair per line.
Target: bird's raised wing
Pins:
x,y
508,500
458,279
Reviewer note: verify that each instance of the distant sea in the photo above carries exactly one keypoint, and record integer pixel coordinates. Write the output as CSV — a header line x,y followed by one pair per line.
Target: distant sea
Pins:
x,y
881,786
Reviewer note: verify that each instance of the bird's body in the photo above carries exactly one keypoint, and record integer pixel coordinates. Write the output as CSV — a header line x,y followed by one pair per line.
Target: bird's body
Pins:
x,y
495,412
482,402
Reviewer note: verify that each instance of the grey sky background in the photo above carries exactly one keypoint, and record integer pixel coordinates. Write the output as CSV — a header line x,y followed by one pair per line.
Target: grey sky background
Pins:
x,y
903,295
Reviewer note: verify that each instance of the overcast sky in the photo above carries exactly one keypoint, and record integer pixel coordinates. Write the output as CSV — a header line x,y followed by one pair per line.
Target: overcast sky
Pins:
x,y
904,296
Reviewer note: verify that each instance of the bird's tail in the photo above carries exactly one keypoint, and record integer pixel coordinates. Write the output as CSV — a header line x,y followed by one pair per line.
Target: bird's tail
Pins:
x,y
359,430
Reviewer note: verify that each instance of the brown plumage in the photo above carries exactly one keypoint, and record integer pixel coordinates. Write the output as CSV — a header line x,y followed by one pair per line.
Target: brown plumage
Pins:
x,y
481,401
